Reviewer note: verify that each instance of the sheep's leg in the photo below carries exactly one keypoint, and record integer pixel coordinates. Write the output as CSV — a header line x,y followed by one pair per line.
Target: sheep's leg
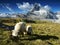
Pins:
x,y
23,34
14,38
29,33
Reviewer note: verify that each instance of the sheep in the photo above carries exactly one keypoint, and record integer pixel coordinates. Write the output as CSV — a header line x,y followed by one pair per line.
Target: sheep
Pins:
x,y
29,29
19,28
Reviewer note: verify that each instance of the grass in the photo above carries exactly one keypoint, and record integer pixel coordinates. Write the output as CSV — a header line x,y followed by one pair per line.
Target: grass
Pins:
x,y
44,33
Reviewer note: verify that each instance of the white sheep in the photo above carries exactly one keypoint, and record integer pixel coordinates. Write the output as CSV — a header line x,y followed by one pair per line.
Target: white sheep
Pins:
x,y
29,29
19,27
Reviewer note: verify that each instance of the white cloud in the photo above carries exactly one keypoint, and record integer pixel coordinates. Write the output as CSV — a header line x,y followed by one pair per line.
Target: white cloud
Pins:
x,y
8,7
25,6
47,7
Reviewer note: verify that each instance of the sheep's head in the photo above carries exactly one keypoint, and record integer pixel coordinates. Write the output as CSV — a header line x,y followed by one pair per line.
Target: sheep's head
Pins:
x,y
29,27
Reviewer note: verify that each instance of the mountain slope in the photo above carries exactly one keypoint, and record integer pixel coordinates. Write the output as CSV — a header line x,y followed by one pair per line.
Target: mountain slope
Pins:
x,y
39,12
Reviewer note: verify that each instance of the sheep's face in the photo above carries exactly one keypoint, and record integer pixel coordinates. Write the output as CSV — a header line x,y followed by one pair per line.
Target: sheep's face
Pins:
x,y
28,28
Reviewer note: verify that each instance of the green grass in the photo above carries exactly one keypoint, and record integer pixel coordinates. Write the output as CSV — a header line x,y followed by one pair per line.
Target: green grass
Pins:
x,y
44,33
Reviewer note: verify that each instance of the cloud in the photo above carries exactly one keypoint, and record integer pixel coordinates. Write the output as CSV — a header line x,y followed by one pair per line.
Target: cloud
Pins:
x,y
8,7
47,7
24,6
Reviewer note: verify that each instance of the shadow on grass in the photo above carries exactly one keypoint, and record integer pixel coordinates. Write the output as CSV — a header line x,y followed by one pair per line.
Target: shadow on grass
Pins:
x,y
31,37
6,27
42,37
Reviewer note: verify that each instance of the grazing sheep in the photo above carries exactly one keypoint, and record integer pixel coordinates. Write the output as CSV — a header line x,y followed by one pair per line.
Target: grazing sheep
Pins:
x,y
29,29
19,28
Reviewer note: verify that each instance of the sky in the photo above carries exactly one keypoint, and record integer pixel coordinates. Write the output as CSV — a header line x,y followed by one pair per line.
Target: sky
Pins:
x,y
23,6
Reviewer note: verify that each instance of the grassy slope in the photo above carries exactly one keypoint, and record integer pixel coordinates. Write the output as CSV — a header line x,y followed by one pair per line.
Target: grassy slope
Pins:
x,y
44,33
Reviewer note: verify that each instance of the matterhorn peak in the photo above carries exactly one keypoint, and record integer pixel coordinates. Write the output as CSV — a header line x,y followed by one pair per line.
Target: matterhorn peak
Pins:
x,y
36,7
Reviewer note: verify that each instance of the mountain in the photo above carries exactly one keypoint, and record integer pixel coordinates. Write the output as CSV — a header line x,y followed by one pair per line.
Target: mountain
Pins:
x,y
58,16
41,13
38,12
6,15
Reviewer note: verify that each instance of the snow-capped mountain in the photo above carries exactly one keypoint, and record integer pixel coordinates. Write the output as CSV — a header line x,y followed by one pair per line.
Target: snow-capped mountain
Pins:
x,y
7,15
14,15
37,12
40,12
58,16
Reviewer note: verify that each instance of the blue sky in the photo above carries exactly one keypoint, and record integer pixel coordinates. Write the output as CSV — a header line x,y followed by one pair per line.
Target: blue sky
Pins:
x,y
17,6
